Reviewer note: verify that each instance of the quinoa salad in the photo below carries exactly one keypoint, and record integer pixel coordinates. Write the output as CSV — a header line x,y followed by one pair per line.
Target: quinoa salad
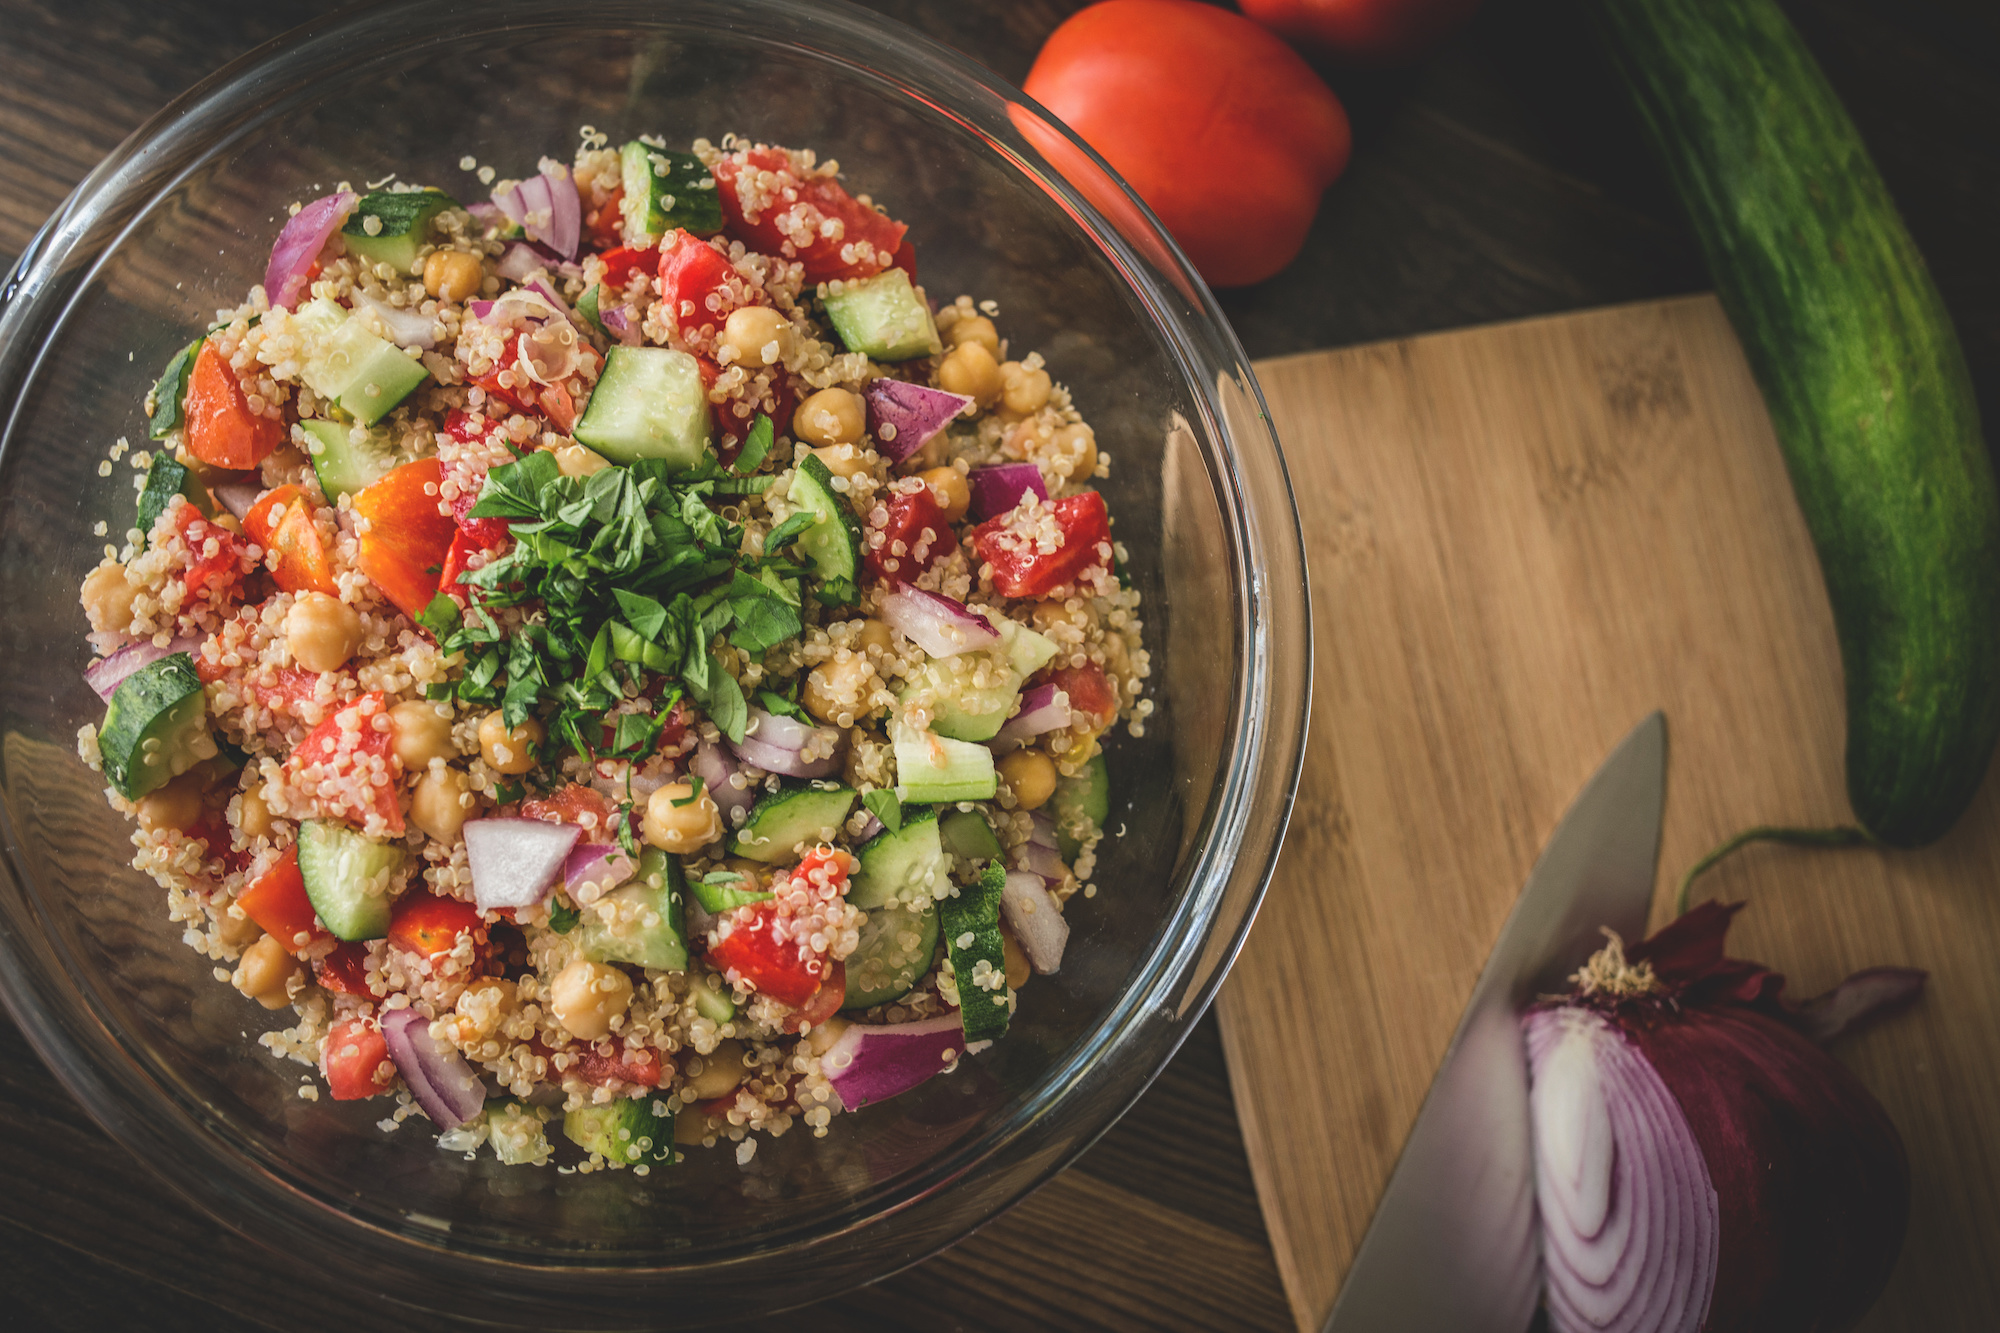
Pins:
x,y
616,660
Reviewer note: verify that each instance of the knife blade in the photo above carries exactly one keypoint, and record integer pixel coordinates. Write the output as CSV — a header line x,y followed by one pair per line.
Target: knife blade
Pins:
x,y
1452,1244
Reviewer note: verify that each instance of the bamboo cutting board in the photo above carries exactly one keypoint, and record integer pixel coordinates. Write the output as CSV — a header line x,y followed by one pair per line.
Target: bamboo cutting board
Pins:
x,y
1522,539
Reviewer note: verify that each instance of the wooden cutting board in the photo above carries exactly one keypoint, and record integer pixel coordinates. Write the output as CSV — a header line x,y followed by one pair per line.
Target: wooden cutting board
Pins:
x,y
1521,540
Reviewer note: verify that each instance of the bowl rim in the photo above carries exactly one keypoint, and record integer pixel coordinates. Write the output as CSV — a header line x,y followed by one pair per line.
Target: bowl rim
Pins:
x,y
1238,833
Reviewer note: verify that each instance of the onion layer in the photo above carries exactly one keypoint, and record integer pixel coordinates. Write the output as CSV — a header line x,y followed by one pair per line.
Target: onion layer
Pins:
x,y
298,245
106,676
515,862
440,1080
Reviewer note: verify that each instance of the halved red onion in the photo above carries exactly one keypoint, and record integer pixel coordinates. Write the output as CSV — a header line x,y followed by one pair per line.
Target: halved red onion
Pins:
x,y
777,744
1031,912
440,1080
106,676
299,243
871,1064
236,496
407,328
903,417
515,862
1043,709
603,865
715,766
546,207
997,489
938,625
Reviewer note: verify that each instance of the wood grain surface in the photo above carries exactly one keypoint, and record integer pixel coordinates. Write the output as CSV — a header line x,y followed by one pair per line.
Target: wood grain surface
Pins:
x,y
1526,538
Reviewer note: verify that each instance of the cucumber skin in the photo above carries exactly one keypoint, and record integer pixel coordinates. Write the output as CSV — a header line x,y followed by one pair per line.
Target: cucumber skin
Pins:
x,y
1864,378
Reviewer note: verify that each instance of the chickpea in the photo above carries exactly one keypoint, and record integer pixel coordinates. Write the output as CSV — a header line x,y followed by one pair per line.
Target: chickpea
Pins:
x,y
831,416
754,335
1023,391
438,806
107,599
1117,659
482,1005
265,972
974,329
576,460
971,370
1031,776
1018,970
419,731
586,996
253,814
825,1036
1049,614
838,691
843,460
681,828
452,275
936,450
509,752
177,805
950,490
323,632
873,636
238,932
1076,442
721,1071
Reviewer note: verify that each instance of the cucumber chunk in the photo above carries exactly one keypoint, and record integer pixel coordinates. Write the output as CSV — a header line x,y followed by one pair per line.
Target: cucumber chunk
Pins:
x,y
626,1131
645,921
166,478
345,464
586,306
833,543
932,769
967,836
665,190
170,394
156,727
712,999
780,824
1080,806
896,948
347,878
649,403
967,711
516,1133
717,892
904,866
883,317
402,225
361,374
971,926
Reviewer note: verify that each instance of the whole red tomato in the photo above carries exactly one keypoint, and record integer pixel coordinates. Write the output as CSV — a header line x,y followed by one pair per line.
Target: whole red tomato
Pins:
x,y
1363,32
1220,127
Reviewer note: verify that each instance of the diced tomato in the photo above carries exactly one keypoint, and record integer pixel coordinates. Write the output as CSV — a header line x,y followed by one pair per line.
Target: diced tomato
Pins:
x,y
223,570
603,226
467,427
456,564
281,521
277,901
1089,692
751,957
906,258
429,926
863,244
904,550
640,1067
823,1005
344,969
221,429
1022,569
336,752
356,1060
513,396
620,264
568,805
698,284
404,547
211,827
560,408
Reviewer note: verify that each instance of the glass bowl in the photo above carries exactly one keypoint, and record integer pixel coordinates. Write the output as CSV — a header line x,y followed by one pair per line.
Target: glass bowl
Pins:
x,y
178,222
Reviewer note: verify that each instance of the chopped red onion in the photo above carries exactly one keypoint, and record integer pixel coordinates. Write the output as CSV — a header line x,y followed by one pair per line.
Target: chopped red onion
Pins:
x,y
715,766
546,207
299,244
870,826
596,864
236,496
485,212
903,416
106,676
938,625
873,1063
777,744
1043,862
440,1080
407,328
518,263
1044,708
997,489
515,862
1032,913
620,324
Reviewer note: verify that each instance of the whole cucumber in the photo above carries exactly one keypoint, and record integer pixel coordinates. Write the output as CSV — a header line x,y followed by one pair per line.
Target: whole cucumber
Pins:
x,y
1865,382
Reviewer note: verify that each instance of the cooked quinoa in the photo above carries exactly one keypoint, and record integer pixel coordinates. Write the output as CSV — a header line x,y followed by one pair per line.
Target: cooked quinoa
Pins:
x,y
679,658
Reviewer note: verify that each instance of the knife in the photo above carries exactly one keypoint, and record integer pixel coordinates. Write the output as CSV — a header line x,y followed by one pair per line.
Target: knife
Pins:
x,y
1452,1245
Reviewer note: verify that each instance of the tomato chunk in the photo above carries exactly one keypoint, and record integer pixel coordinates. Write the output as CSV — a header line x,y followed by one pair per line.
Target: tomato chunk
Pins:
x,y
407,539
603,226
621,263
429,926
281,521
344,969
569,805
859,243
1089,691
1012,544
640,1067
356,1060
914,535
824,1004
221,429
698,284
349,752
277,901
222,570
750,955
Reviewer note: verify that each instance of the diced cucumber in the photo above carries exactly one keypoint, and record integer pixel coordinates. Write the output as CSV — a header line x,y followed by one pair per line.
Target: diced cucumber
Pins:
x,y
156,727
903,866
712,999
968,837
780,824
165,478
1080,806
170,394
401,226
935,769
883,317
626,1131
345,463
645,920
896,948
347,878
649,403
516,1133
1026,651
664,190
586,305
717,892
361,374
966,711
971,926
833,542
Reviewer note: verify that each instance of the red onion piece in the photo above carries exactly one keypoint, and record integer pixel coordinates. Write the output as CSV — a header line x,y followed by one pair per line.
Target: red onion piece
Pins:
x,y
870,826
1043,709
1031,912
997,489
236,496
440,1080
106,676
602,864
406,328
485,212
1869,994
871,1064
620,324
547,209
517,263
776,745
481,309
1045,863
938,625
566,220
903,417
515,862
715,766
299,244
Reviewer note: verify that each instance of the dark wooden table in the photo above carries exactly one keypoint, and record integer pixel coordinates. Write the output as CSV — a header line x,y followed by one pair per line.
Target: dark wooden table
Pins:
x,y
1502,179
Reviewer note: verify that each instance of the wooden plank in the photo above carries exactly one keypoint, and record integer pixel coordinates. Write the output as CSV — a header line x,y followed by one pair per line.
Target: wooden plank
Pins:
x,y
1521,540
